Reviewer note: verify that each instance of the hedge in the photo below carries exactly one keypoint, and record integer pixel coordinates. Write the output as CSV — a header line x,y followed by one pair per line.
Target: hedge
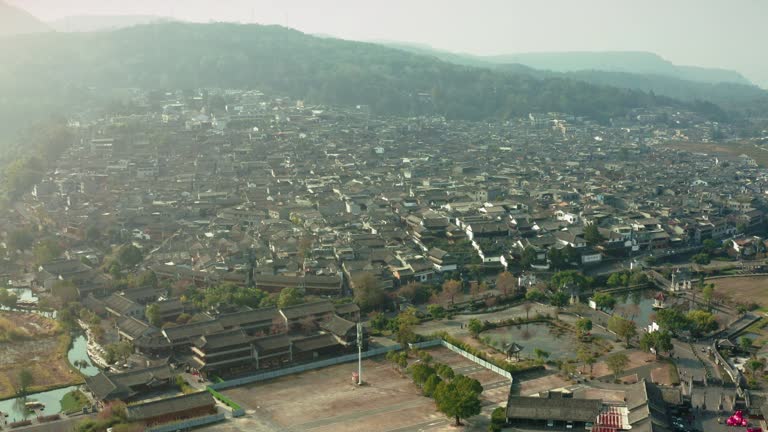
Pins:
x,y
225,400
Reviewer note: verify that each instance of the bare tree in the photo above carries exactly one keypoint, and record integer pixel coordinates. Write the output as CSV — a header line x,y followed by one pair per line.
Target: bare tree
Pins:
x,y
308,324
527,306
451,289
505,282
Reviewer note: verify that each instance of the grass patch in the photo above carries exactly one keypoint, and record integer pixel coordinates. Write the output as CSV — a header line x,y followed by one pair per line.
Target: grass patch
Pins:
x,y
674,377
757,326
45,358
74,401
10,332
184,386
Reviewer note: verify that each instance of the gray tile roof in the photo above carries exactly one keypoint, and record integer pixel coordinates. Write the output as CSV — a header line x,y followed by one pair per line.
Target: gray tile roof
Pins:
x,y
194,330
347,308
120,304
553,407
221,340
133,327
338,326
149,410
120,386
316,342
307,309
248,317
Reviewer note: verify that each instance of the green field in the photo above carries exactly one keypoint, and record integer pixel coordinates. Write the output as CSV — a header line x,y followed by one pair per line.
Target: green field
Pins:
x,y
74,401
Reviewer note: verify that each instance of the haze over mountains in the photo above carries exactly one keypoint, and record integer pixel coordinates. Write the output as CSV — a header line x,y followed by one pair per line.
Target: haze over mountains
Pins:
x,y
332,71
643,71
53,69
89,23
14,21
620,61
635,62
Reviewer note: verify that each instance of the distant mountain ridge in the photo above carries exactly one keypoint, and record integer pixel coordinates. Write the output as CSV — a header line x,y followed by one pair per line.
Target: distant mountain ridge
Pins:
x,y
91,23
634,62
620,61
14,21
702,84
61,67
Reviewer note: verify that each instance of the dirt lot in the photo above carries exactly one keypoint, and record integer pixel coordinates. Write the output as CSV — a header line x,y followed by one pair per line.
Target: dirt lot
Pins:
x,y
326,400
636,359
535,382
43,354
744,289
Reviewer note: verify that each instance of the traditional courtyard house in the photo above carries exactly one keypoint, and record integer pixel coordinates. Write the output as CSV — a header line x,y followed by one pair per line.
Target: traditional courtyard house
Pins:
x,y
295,316
120,306
126,386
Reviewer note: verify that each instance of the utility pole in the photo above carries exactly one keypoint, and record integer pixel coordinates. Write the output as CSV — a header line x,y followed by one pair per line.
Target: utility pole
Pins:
x,y
359,353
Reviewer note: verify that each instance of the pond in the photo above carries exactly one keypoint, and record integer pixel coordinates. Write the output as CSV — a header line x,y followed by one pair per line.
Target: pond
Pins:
x,y
78,351
52,399
557,342
14,408
638,306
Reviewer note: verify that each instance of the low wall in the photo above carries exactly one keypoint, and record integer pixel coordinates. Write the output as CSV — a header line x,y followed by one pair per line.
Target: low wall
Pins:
x,y
187,424
748,275
315,365
734,374
477,360
730,332
264,376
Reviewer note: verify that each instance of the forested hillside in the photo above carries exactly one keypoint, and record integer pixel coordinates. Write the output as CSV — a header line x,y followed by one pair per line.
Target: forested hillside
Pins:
x,y
725,88
59,67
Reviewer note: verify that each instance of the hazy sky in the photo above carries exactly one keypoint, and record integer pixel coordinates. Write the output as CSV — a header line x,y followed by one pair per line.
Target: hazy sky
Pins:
x,y
730,34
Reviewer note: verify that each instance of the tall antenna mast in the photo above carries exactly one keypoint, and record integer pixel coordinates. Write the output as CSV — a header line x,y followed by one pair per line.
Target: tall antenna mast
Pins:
x,y
359,353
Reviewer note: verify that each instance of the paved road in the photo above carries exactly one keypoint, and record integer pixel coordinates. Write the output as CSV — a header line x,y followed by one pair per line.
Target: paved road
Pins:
x,y
688,364
56,426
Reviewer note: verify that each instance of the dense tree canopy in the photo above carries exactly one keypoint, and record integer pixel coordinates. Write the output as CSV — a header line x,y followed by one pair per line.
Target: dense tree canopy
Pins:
x,y
671,319
592,234
658,341
604,300
20,239
289,297
129,256
46,251
66,291
369,294
569,279
701,322
459,398
623,328
228,293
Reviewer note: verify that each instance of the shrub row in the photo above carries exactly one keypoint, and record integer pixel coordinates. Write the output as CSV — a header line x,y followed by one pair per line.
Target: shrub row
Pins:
x,y
225,400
